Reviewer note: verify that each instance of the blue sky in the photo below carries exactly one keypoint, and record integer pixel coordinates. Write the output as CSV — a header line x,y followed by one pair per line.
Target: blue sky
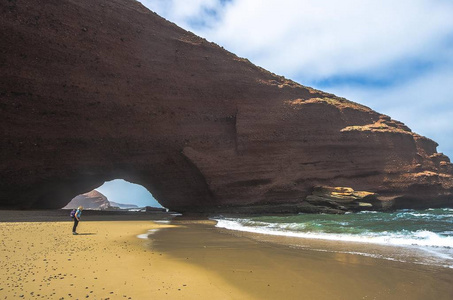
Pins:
x,y
124,192
394,56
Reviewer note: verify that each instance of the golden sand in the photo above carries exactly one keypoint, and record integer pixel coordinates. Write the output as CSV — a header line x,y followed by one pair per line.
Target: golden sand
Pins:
x,y
192,260
105,261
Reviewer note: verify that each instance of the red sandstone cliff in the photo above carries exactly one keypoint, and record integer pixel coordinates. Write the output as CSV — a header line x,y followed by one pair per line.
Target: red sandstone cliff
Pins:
x,y
96,90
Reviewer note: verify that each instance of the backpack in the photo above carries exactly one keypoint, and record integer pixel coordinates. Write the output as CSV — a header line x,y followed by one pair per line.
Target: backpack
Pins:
x,y
72,214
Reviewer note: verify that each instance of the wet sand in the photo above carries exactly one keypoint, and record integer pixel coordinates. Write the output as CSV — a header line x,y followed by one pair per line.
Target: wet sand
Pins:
x,y
192,260
274,270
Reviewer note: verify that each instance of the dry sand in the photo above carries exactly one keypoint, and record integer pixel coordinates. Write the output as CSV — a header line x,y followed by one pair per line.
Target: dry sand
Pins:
x,y
106,261
192,260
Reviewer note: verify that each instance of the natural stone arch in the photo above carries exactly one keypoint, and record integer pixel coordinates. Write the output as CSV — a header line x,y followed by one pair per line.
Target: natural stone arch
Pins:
x,y
87,95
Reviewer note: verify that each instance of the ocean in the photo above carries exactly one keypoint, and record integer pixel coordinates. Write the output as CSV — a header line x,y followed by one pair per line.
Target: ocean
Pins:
x,y
415,236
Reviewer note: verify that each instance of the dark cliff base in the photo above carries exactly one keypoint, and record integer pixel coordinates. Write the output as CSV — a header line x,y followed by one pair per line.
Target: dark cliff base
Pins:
x,y
62,215
97,90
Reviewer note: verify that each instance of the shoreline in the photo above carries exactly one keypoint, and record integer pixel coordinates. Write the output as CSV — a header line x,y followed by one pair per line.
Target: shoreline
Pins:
x,y
421,237
191,259
62,215
269,268
398,253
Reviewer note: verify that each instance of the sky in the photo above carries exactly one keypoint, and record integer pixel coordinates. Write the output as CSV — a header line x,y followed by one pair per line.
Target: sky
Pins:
x,y
122,191
395,57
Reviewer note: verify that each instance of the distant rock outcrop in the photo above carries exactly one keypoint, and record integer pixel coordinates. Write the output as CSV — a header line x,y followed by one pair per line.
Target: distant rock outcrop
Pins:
x,y
122,206
92,200
92,90
154,209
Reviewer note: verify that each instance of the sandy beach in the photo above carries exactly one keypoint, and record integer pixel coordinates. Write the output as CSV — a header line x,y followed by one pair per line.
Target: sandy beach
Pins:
x,y
43,260
190,260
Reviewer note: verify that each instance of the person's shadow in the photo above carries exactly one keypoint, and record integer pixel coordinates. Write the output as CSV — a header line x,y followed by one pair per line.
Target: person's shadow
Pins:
x,y
86,233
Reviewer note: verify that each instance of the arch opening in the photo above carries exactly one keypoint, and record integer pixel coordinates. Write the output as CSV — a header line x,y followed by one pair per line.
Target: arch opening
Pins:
x,y
117,194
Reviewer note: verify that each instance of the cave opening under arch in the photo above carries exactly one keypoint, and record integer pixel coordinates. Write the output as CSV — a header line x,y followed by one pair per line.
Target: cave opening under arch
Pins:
x,y
116,194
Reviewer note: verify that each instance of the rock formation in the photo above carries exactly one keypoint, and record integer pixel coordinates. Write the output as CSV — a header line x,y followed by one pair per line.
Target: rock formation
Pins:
x,y
122,206
97,90
91,200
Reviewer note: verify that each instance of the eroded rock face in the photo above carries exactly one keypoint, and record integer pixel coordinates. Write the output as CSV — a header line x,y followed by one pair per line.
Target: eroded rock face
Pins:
x,y
91,200
343,199
97,90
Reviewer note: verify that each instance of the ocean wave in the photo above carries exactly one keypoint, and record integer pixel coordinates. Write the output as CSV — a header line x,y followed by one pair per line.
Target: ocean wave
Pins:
x,y
422,238
146,235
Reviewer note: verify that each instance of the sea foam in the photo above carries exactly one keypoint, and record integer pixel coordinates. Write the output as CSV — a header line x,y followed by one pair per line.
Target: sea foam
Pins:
x,y
422,238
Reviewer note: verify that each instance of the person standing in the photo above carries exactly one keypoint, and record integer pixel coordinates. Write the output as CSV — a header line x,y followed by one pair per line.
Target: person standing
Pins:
x,y
77,216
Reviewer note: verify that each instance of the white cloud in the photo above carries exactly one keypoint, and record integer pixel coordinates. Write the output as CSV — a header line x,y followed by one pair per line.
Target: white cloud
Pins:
x,y
320,38
184,13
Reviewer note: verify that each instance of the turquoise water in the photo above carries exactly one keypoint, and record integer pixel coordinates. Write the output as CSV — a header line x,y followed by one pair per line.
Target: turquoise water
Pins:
x,y
430,230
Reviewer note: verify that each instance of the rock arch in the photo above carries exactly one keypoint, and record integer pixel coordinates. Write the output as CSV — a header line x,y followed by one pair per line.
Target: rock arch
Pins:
x,y
87,95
